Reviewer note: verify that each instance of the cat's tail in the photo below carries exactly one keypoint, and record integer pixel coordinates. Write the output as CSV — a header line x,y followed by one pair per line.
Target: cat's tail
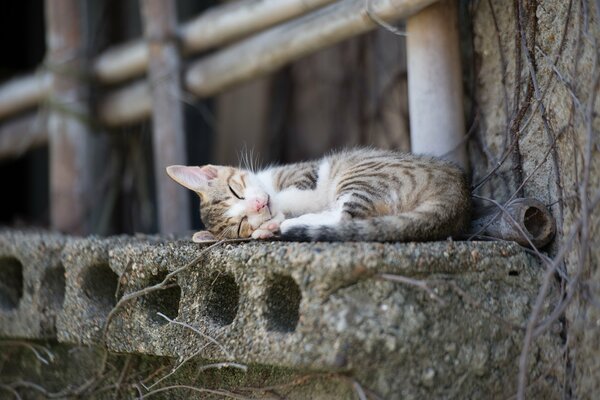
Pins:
x,y
411,226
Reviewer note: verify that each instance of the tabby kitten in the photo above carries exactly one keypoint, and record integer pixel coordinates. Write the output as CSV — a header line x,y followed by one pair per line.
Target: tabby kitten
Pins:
x,y
353,195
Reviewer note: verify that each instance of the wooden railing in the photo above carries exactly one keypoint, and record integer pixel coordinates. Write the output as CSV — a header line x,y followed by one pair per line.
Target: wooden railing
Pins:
x,y
267,35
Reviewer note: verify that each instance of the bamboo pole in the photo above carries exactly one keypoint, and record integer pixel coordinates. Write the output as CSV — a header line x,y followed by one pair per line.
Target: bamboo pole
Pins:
x,y
69,136
216,26
126,106
168,132
21,134
23,92
270,50
435,83
263,53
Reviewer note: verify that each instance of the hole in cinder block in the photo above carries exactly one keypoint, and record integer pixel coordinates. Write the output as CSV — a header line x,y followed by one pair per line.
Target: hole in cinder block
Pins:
x,y
99,285
52,291
283,304
513,273
11,283
165,301
223,300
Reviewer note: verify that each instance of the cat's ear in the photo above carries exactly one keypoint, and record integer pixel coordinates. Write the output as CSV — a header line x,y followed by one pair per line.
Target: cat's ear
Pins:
x,y
203,237
193,178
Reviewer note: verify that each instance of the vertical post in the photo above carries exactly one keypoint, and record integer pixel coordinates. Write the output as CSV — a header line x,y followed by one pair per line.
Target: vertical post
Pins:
x,y
435,82
159,20
68,131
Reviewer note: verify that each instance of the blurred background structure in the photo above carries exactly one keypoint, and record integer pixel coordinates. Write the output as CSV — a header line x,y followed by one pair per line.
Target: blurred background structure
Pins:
x,y
84,137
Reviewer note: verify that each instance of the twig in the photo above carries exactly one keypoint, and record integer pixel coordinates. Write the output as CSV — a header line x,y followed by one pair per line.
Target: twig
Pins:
x,y
221,392
421,284
32,348
477,304
582,226
11,390
161,285
515,223
223,365
359,390
381,22
204,335
296,382
122,376
175,369
531,324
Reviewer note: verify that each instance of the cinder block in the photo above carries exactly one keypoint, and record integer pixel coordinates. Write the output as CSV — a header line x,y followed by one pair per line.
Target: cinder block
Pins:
x,y
452,326
325,306
32,283
137,326
91,290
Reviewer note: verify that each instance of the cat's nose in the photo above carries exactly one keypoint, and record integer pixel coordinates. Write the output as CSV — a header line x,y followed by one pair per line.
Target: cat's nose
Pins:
x,y
259,204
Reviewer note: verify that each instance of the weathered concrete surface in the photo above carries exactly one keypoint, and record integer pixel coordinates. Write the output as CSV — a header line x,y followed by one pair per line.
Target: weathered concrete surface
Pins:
x,y
554,130
308,307
32,283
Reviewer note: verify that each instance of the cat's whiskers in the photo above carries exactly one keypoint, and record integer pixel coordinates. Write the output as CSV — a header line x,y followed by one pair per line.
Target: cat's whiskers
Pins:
x,y
249,159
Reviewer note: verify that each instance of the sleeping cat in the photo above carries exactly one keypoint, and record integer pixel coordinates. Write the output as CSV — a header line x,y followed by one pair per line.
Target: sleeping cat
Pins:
x,y
353,195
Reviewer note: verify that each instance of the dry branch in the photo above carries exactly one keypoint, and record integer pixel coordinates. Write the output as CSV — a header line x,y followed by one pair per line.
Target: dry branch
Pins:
x,y
163,284
421,284
200,333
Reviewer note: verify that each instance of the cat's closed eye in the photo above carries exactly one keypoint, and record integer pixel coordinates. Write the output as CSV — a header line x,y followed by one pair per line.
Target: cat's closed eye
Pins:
x,y
240,226
235,193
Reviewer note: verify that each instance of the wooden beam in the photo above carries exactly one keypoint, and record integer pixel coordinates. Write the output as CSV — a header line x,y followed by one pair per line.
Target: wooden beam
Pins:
x,y
214,27
69,134
435,92
168,132
263,53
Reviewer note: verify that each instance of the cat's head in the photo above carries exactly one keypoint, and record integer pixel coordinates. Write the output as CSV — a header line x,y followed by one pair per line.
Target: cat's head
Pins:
x,y
233,204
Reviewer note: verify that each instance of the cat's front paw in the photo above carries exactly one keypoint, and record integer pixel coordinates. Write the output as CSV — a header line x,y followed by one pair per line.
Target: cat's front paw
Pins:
x,y
271,225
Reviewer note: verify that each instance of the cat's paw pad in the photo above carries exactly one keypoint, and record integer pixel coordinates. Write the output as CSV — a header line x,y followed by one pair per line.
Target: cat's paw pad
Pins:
x,y
262,234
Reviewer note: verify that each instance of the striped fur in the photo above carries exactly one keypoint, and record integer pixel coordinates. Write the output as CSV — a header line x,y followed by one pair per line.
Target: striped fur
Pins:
x,y
354,195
